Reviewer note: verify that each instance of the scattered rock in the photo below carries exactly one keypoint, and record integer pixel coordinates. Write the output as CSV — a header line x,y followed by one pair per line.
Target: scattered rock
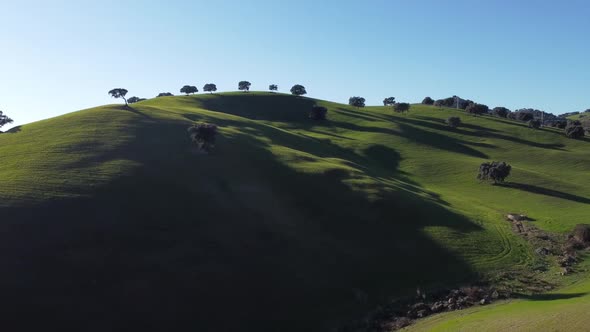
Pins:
x,y
582,233
542,251
516,217
484,301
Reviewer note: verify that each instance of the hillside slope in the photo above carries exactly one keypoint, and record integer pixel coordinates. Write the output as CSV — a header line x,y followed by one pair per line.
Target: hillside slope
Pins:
x,y
289,224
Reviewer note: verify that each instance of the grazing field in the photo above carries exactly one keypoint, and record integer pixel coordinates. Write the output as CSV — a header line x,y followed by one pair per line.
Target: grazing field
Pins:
x,y
109,216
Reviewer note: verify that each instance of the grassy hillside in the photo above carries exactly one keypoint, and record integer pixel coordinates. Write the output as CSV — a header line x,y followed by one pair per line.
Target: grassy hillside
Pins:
x,y
290,224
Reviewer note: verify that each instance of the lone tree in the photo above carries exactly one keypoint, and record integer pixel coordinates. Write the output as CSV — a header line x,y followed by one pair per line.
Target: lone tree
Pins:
x,y
574,130
389,101
453,121
428,101
4,120
203,135
477,109
119,93
535,124
298,90
134,100
273,87
244,86
165,94
357,102
401,107
188,89
318,113
494,171
210,87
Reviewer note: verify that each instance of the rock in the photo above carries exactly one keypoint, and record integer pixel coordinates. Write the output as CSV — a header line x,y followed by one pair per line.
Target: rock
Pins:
x,y
566,270
437,307
516,217
484,301
422,313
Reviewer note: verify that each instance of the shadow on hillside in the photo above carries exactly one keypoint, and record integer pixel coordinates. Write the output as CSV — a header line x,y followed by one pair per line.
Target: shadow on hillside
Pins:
x,y
13,130
545,191
483,132
551,296
235,240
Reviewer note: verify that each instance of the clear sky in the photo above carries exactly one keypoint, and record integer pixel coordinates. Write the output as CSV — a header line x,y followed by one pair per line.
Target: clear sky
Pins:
x,y
61,56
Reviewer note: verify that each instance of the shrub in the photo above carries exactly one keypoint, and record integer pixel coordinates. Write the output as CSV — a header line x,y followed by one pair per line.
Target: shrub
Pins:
x,y
318,113
453,121
523,115
401,107
164,94
574,130
476,109
428,101
203,135
494,171
134,100
560,123
535,124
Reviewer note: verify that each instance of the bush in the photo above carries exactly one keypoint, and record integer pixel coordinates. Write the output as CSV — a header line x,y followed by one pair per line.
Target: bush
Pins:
x,y
559,123
401,107
574,130
356,101
535,124
164,94
298,90
203,135
428,101
582,233
318,113
134,100
453,121
494,171
476,109
523,115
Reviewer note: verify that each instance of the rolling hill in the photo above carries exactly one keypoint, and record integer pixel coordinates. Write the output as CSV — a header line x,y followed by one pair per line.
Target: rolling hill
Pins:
x,y
111,220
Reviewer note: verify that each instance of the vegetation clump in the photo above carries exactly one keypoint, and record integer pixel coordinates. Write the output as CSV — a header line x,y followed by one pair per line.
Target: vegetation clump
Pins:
x,y
4,119
203,135
535,124
477,109
582,233
401,107
453,121
389,101
244,86
298,90
164,94
318,113
188,89
210,87
135,99
356,102
428,101
273,87
495,171
574,130
119,93
501,112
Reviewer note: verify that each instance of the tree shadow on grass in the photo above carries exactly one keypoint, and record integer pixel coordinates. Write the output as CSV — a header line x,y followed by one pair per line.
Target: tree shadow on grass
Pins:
x,y
545,191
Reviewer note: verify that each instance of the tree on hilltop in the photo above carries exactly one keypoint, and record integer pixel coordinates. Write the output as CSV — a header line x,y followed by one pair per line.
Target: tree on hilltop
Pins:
x,y
389,101
188,89
119,93
477,109
273,87
357,102
210,87
298,90
401,107
134,100
244,86
165,94
4,119
428,101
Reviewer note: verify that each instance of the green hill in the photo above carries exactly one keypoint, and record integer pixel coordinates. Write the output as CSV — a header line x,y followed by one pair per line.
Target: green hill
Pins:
x,y
109,216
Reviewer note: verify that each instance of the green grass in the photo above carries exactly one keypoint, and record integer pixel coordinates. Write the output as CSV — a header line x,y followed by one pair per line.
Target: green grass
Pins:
x,y
289,220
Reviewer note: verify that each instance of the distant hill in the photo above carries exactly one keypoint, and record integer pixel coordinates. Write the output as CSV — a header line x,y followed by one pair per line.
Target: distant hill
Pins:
x,y
109,218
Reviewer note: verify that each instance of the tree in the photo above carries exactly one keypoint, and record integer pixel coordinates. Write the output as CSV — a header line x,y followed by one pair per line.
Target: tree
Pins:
x,y
453,121
188,89
389,101
273,87
559,123
210,87
203,135
524,115
428,101
574,130
318,113
356,102
501,112
165,94
119,93
4,120
401,107
475,109
298,90
494,171
134,100
535,124
244,86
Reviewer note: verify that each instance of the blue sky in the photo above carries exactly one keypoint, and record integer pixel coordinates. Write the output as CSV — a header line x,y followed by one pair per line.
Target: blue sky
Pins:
x,y
60,56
